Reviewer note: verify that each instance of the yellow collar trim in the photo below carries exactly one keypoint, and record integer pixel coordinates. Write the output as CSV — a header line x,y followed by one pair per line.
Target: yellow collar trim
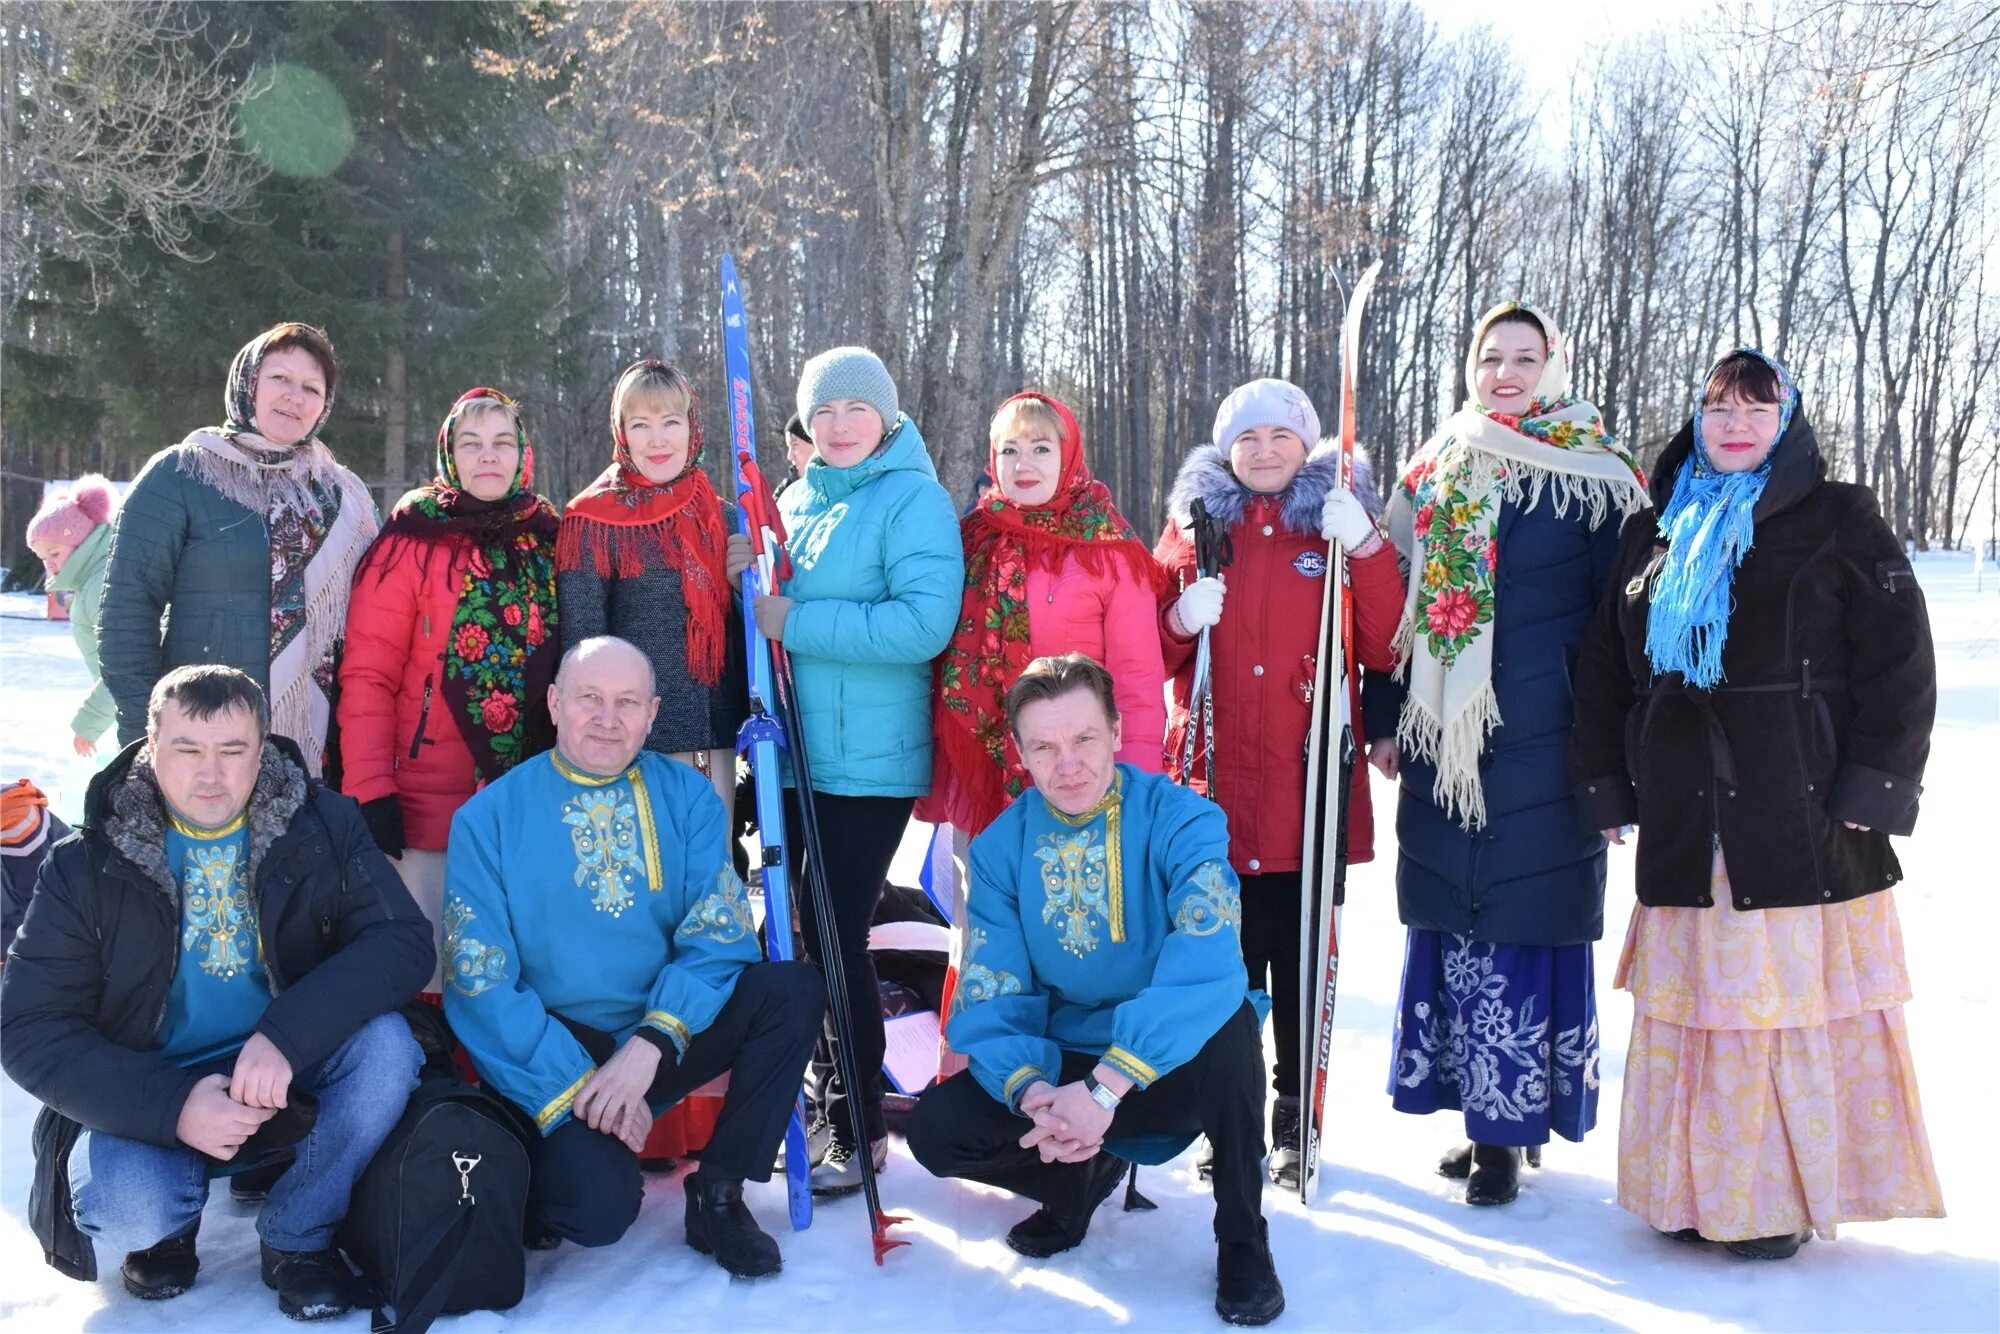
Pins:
x,y
1110,806
186,830
1109,801
583,779
649,834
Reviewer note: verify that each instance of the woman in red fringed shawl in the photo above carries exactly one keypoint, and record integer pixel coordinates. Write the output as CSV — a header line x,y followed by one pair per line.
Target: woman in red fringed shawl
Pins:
x,y
640,556
1051,566
451,641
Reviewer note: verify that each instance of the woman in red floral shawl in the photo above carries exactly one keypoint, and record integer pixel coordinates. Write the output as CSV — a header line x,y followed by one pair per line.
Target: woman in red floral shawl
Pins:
x,y
451,641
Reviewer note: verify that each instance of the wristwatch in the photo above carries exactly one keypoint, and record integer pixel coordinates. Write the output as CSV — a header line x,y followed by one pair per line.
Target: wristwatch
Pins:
x,y
1099,1094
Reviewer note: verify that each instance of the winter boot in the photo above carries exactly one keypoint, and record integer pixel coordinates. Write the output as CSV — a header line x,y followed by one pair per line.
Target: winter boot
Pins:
x,y
839,1173
1770,1248
311,1285
254,1186
1042,1234
1204,1159
1285,1158
721,1225
165,1269
1247,1291
1496,1174
1457,1164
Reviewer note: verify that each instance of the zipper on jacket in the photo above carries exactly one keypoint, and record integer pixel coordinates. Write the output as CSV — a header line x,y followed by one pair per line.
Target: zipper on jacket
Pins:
x,y
423,716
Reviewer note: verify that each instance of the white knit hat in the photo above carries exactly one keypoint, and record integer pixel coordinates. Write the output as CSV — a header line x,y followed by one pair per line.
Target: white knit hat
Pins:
x,y
1266,403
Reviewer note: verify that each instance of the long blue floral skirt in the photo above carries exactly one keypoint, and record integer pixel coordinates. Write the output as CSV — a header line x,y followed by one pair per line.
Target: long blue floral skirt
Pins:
x,y
1506,1034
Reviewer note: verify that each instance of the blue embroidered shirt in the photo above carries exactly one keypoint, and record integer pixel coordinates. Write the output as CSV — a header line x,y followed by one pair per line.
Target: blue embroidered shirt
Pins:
x,y
1115,932
610,901
219,990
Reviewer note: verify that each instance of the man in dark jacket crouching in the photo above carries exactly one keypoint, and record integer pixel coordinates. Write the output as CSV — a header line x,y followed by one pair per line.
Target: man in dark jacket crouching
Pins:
x,y
207,977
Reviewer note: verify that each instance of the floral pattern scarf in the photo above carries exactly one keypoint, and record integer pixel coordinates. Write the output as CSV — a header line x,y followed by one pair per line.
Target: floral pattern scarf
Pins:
x,y
501,652
621,522
1444,517
320,520
1004,542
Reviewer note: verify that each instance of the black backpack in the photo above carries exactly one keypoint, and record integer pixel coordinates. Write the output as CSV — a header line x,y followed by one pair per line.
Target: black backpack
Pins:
x,y
435,1223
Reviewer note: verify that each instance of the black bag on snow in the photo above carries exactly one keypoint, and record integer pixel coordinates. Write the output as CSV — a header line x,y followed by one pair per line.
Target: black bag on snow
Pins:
x,y
435,1224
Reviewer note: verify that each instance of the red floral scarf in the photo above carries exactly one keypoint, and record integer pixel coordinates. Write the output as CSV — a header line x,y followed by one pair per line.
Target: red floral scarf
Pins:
x,y
501,652
620,519
1004,542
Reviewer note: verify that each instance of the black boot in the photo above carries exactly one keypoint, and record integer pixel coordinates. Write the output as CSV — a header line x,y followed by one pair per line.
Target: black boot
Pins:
x,y
1247,1291
839,1173
311,1285
1457,1164
721,1225
1688,1234
165,1269
1496,1174
254,1186
1286,1160
1770,1248
1042,1233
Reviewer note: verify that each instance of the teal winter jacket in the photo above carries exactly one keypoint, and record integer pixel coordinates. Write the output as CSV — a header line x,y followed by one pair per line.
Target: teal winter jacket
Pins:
x,y
878,574
83,575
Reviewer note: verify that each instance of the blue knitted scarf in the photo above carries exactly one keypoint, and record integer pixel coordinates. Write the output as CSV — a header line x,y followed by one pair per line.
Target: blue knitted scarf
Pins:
x,y
1709,527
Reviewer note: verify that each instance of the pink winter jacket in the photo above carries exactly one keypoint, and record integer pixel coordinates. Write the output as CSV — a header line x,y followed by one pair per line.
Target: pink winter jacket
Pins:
x,y
1114,621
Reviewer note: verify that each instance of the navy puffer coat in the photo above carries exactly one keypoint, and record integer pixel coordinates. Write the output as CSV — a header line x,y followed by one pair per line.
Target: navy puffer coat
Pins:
x,y
1534,875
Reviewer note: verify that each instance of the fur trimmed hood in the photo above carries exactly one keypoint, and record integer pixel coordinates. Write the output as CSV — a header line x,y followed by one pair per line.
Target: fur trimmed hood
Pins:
x,y
1206,475
126,805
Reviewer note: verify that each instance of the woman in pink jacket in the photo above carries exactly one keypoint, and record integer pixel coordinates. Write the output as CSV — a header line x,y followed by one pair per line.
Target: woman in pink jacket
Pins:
x,y
1051,566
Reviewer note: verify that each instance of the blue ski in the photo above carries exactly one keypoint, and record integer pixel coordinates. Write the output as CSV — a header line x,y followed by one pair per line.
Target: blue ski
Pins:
x,y
761,736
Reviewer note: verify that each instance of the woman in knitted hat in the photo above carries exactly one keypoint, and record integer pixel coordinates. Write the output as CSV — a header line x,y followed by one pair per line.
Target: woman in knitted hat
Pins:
x,y
1273,487
451,641
877,579
238,546
1508,520
641,556
1757,695
71,534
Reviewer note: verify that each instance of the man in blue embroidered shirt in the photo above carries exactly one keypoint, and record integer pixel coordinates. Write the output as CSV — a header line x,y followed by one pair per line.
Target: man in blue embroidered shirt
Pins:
x,y
1102,1000
601,963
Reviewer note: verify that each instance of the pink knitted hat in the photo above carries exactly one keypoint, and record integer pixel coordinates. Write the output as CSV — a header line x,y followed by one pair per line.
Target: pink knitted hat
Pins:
x,y
69,516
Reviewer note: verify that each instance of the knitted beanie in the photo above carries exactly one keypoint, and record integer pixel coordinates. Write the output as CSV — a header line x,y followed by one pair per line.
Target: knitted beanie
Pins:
x,y
1266,403
847,372
67,517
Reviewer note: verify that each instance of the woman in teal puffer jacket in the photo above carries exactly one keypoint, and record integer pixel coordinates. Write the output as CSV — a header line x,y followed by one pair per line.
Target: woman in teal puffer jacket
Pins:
x,y
878,570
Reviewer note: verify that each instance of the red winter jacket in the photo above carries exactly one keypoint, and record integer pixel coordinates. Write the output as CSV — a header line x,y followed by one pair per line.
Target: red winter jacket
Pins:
x,y
397,735
1262,653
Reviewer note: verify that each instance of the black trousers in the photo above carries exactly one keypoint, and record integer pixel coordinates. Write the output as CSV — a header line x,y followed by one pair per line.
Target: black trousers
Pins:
x,y
586,1185
1271,956
859,837
959,1130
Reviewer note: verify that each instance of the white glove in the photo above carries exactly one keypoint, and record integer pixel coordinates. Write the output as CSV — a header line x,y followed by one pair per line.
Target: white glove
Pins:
x,y
1200,604
1342,520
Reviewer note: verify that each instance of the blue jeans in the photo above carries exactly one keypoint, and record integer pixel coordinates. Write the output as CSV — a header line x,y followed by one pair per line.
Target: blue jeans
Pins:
x,y
129,1195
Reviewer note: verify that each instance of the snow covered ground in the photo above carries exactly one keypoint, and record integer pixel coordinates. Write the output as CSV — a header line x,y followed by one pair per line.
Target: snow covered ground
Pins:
x,y
1390,1245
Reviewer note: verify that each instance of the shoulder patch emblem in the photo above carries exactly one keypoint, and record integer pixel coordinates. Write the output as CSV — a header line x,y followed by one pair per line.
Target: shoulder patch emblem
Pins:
x,y
1311,564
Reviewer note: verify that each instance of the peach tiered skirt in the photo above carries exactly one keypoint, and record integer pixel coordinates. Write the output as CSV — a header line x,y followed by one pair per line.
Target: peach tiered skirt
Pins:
x,y
1769,1087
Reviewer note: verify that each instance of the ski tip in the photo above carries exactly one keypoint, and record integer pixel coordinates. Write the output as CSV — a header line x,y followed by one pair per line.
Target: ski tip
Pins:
x,y
884,1243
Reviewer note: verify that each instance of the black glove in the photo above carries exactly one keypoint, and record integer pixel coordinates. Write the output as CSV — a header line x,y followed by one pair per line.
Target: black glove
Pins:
x,y
385,824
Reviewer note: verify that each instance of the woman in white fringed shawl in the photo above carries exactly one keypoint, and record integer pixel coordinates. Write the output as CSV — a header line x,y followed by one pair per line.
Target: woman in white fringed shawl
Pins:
x,y
1507,520
238,546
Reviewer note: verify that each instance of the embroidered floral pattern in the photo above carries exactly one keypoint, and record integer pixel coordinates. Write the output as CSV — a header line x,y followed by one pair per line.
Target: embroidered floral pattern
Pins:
x,y
977,982
724,913
219,922
471,966
604,830
1213,903
1455,531
1075,887
1498,1054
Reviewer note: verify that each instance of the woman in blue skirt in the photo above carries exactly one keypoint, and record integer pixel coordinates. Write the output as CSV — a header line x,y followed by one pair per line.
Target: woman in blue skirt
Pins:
x,y
1508,520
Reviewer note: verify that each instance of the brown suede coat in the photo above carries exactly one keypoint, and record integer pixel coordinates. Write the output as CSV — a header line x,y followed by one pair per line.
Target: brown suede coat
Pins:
x,y
1823,717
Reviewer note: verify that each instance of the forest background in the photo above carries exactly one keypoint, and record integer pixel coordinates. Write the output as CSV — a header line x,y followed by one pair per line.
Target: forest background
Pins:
x,y
1132,206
